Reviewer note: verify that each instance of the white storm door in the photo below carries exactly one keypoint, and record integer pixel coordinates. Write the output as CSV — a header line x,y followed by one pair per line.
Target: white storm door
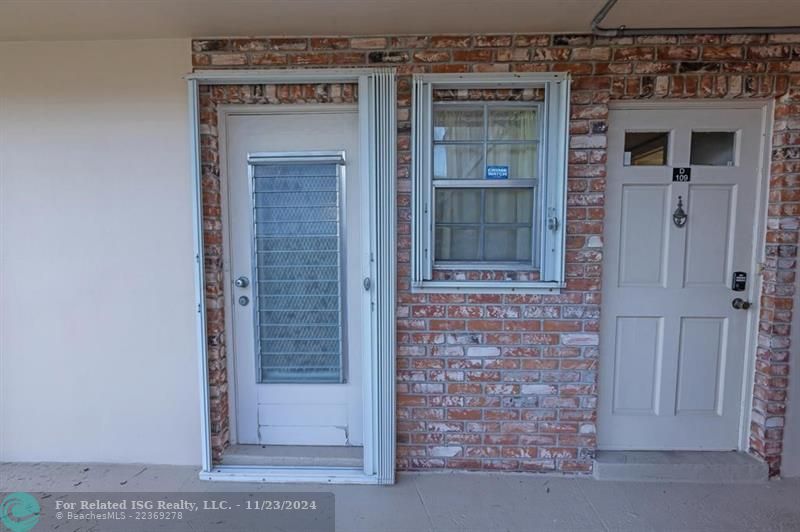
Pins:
x,y
672,345
295,229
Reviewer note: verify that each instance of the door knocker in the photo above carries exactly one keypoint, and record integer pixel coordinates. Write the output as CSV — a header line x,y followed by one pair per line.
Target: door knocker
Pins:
x,y
679,216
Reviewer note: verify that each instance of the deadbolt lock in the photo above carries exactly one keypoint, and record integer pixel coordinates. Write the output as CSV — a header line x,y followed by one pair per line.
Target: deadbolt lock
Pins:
x,y
242,282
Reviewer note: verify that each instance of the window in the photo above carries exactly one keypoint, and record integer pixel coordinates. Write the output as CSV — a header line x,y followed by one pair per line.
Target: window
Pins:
x,y
489,181
646,148
713,148
297,241
485,171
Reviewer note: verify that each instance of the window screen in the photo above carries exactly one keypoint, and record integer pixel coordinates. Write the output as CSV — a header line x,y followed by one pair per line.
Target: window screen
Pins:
x,y
298,248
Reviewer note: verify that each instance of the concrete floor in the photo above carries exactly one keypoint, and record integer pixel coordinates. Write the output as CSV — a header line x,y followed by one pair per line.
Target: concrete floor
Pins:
x,y
472,501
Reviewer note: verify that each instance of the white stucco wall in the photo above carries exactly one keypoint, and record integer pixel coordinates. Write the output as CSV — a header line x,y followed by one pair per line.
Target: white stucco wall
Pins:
x,y
97,321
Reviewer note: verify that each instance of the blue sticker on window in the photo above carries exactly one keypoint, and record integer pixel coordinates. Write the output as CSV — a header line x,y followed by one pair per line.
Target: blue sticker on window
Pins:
x,y
496,172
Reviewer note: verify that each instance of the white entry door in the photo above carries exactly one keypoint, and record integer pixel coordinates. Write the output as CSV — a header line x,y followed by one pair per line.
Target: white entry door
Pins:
x,y
295,196
673,345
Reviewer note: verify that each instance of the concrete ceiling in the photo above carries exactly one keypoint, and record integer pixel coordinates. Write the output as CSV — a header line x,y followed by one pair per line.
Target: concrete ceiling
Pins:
x,y
25,20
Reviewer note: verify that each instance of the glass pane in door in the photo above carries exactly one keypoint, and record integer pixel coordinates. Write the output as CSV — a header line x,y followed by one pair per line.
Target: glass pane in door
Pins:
x,y
298,246
713,148
646,148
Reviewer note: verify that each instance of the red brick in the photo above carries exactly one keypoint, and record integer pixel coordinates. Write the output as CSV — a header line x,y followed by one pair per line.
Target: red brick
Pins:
x,y
722,52
330,43
447,325
483,56
268,58
431,57
678,52
451,41
634,54
485,325
551,54
531,40
562,325
368,43
227,59
464,413
492,40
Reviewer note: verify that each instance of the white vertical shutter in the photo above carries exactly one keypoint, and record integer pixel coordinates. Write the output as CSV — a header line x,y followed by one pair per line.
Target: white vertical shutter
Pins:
x,y
383,155
557,138
421,127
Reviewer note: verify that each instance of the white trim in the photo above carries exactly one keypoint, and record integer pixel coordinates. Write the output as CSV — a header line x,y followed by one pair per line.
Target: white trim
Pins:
x,y
199,272
289,76
382,101
289,475
367,247
377,121
490,287
749,103
758,254
553,254
484,80
421,222
552,187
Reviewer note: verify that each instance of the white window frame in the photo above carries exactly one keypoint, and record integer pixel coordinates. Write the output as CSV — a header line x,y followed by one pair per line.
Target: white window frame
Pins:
x,y
551,188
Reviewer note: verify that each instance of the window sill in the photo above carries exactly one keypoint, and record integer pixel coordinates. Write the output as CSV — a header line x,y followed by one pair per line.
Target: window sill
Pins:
x,y
488,287
485,266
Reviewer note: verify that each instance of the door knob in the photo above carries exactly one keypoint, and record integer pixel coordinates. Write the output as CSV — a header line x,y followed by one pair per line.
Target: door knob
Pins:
x,y
242,282
740,304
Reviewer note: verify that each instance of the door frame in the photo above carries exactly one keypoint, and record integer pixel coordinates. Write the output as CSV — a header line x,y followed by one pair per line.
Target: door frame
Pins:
x,y
767,107
378,145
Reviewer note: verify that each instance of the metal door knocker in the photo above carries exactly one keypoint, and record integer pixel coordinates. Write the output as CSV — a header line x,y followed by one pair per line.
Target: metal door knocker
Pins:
x,y
679,216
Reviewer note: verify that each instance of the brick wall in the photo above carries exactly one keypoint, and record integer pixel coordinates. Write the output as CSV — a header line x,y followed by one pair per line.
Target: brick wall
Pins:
x,y
509,381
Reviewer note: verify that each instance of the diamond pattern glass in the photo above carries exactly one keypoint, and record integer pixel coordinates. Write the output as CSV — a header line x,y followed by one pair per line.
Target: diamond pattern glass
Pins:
x,y
298,272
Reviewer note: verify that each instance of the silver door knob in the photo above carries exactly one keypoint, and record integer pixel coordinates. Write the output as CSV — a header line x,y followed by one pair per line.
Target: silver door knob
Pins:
x,y
242,282
740,304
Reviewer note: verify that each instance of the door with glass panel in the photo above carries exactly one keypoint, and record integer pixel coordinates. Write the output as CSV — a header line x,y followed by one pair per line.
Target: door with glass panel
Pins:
x,y
679,284
295,231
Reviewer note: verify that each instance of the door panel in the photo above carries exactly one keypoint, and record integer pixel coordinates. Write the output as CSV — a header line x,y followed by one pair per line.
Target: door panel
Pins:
x,y
639,344
645,267
295,230
709,235
701,360
672,347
